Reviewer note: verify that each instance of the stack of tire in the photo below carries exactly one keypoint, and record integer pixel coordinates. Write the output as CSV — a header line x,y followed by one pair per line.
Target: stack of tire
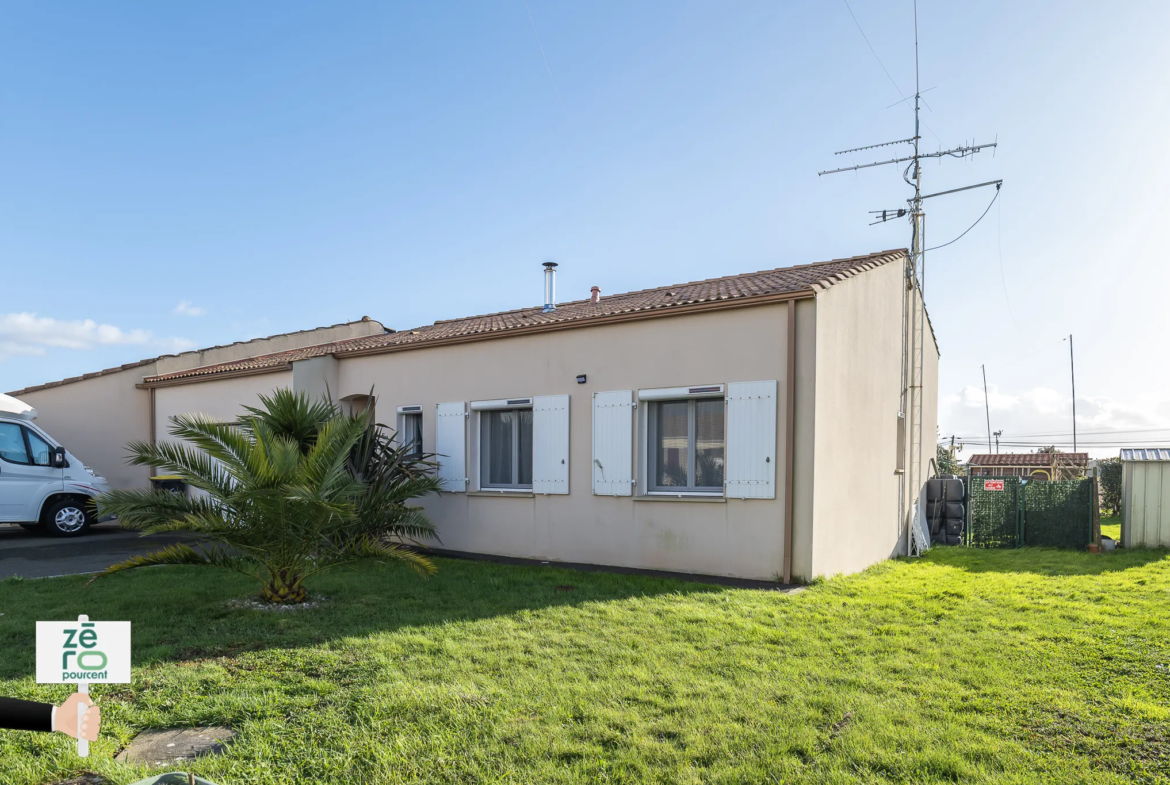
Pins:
x,y
945,510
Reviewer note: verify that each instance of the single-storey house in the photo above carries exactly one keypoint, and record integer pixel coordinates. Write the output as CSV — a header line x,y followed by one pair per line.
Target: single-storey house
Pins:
x,y
1033,465
763,425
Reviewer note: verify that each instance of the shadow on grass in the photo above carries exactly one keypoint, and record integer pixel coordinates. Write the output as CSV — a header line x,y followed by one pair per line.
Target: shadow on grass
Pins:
x,y
1051,562
180,613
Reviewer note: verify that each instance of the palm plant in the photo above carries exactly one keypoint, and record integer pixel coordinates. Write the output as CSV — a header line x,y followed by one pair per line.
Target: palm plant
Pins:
x,y
393,473
289,490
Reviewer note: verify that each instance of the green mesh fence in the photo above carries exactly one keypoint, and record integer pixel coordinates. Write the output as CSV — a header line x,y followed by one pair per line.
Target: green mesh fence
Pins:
x,y
1004,512
1058,514
993,512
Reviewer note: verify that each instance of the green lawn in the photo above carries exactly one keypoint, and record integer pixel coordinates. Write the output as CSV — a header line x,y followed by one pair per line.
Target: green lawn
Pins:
x,y
1018,666
1111,526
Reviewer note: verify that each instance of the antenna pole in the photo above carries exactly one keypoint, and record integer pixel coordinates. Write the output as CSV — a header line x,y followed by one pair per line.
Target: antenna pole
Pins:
x,y
986,406
913,295
1072,369
917,296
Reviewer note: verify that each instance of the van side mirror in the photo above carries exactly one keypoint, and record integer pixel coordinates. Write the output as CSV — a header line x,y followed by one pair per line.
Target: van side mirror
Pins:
x,y
59,461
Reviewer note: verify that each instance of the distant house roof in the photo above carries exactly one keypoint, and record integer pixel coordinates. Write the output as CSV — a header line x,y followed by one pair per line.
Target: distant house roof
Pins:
x,y
149,360
1030,459
1157,454
727,292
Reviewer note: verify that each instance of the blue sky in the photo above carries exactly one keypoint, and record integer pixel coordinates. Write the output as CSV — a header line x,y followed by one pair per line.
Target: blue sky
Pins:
x,y
190,174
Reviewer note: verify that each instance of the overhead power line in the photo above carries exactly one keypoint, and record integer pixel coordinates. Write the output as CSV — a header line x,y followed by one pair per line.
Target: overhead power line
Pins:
x,y
982,440
1097,432
540,46
874,51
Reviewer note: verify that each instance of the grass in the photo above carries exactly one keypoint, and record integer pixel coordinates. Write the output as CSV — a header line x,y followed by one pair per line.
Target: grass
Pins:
x,y
1111,526
1021,666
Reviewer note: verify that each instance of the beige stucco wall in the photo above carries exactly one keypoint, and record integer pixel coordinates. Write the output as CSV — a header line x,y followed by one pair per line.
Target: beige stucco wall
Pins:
x,y
930,360
805,442
733,537
223,399
316,377
95,418
858,388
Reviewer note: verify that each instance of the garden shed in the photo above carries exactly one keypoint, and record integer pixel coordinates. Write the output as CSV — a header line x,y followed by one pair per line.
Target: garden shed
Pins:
x,y
1145,498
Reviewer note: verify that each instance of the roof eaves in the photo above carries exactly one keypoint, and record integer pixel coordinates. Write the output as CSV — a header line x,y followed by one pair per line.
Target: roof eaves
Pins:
x,y
92,375
570,315
174,381
149,360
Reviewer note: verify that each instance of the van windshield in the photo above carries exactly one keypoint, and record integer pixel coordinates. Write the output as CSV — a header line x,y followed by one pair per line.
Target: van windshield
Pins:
x,y
12,443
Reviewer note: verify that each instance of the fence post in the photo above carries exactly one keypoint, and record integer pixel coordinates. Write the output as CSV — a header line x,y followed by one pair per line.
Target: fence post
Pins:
x,y
1021,513
968,492
1095,500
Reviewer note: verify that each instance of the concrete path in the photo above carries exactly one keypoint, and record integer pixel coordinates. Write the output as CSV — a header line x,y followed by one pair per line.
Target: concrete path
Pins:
x,y
35,555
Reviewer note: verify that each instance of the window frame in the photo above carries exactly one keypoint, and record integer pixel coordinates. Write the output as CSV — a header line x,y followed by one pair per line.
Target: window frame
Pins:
x,y
484,411
32,461
405,412
690,489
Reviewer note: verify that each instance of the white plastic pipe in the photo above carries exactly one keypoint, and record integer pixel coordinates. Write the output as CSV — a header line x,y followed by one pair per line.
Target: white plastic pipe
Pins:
x,y
82,744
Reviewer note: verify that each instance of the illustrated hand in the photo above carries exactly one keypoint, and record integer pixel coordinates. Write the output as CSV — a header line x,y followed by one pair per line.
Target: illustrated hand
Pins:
x,y
65,719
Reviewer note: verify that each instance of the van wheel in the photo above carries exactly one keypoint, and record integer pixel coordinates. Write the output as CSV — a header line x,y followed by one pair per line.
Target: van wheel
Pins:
x,y
66,518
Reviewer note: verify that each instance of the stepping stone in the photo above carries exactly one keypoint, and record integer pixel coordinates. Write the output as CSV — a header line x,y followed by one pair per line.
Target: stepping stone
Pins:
x,y
179,745
84,779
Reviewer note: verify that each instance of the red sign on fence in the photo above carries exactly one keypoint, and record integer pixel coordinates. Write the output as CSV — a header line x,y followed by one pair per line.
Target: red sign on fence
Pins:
x,y
993,485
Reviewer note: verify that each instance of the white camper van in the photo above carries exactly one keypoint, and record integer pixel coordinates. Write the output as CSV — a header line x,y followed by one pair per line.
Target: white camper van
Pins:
x,y
41,483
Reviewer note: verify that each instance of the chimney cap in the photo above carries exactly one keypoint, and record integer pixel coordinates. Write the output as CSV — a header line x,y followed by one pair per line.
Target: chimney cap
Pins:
x,y
549,265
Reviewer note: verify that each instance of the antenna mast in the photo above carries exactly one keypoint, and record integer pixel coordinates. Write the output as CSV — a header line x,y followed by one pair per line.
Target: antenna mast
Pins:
x,y
913,303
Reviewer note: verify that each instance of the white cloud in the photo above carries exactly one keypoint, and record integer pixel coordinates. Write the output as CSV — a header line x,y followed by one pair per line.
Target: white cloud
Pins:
x,y
29,334
1041,416
187,308
971,397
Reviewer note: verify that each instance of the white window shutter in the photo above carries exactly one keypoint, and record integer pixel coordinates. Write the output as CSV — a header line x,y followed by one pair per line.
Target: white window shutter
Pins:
x,y
451,445
613,440
751,440
550,444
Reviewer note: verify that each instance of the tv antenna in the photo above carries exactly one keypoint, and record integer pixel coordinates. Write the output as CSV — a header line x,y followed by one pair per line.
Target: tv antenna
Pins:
x,y
913,305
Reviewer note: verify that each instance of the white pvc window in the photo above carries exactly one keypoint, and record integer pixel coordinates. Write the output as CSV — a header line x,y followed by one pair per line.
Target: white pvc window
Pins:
x,y
505,448
410,433
686,445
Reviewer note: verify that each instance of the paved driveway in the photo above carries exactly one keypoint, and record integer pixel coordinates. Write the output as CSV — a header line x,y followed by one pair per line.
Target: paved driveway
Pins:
x,y
35,555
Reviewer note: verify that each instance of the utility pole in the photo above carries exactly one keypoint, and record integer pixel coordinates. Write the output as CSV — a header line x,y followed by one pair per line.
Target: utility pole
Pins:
x,y
914,274
987,408
997,435
1072,369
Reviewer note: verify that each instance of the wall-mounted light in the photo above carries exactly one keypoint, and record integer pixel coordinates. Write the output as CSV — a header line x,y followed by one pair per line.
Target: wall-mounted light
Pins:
x,y
581,379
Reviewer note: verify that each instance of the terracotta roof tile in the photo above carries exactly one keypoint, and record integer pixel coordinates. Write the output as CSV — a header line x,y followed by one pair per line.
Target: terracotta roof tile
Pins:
x,y
664,299
1030,459
149,360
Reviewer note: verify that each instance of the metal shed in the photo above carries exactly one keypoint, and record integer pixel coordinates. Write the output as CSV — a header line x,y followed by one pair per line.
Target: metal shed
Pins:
x,y
1145,498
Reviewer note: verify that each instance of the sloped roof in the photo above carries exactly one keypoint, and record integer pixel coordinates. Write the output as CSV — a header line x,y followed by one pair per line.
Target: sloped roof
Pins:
x,y
1030,459
728,291
149,360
